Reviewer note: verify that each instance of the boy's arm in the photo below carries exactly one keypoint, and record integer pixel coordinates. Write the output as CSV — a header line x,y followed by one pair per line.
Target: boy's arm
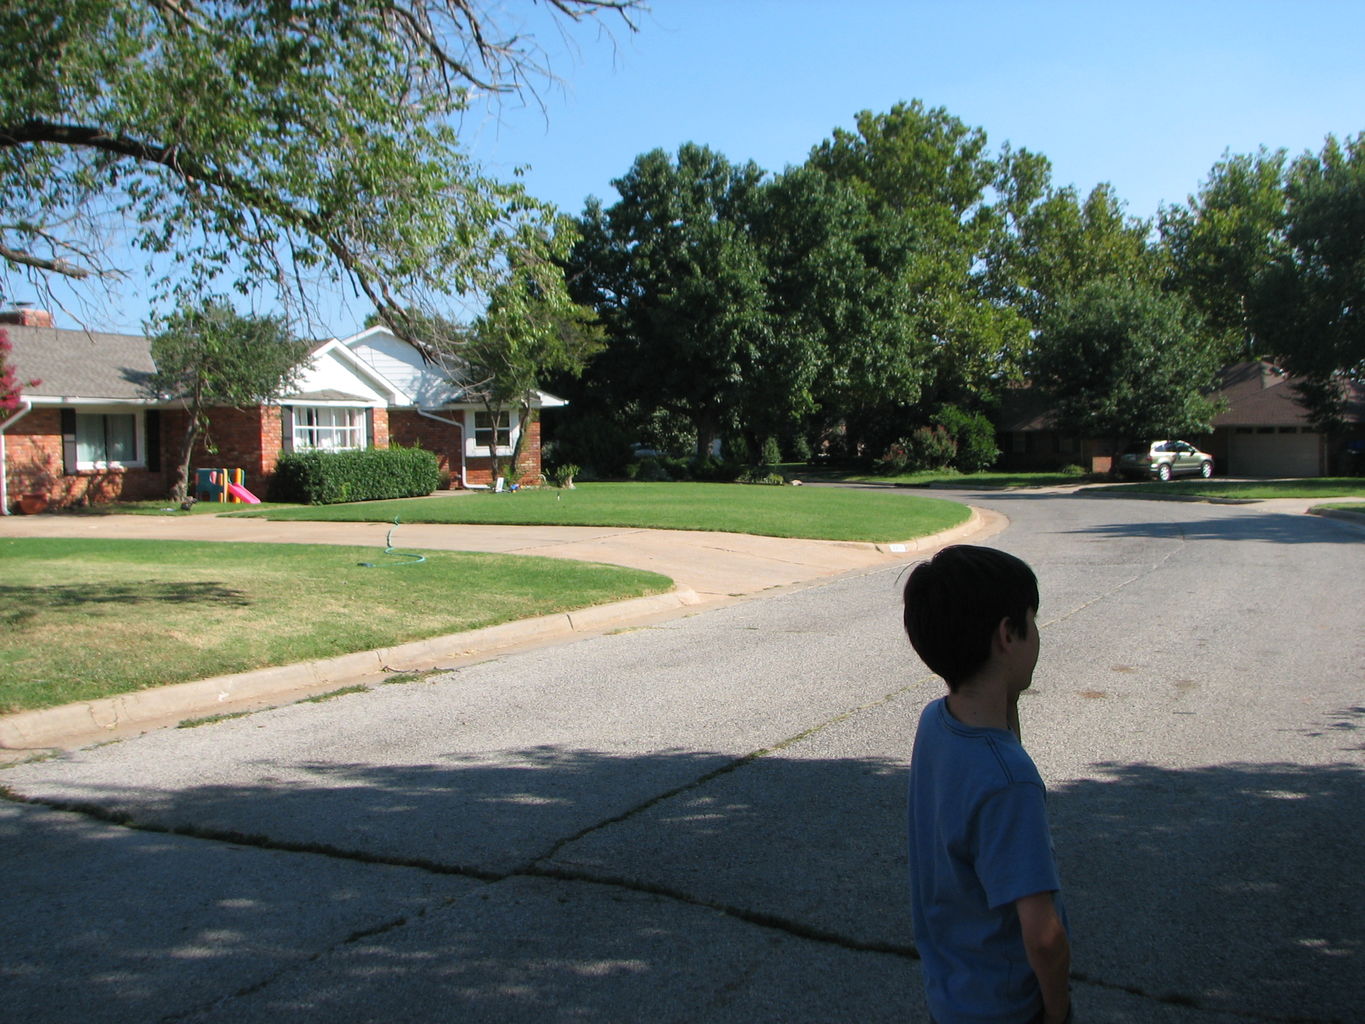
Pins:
x,y
1049,953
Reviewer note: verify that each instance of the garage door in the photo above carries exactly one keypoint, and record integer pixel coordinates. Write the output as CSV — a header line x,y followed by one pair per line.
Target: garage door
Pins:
x,y
1277,454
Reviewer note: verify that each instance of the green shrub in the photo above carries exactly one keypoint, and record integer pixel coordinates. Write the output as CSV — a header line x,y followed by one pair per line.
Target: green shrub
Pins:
x,y
648,470
563,474
926,448
772,452
599,444
328,478
710,469
973,435
761,476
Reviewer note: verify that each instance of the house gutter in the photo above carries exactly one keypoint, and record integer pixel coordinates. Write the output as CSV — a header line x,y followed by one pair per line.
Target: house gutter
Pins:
x,y
25,407
455,423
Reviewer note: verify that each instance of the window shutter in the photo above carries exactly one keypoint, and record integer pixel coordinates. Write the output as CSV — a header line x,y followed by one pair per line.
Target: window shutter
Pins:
x,y
287,428
152,435
369,429
69,456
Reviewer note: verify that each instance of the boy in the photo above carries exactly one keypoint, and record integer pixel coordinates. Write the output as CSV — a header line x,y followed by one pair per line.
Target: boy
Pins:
x,y
990,928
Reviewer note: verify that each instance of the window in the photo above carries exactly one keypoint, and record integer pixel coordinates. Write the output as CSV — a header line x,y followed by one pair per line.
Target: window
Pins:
x,y
487,433
328,429
107,440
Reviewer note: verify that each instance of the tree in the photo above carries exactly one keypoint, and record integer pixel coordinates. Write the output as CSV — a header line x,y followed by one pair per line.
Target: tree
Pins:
x,y
835,284
1124,360
1222,241
674,272
211,356
1061,243
530,331
259,145
927,180
1308,303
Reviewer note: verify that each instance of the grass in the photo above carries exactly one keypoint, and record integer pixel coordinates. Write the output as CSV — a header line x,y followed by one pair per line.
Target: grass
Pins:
x,y
1308,487
86,618
929,477
811,512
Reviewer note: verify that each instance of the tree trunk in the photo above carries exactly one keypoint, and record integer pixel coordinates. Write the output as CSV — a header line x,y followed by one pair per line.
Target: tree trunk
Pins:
x,y
181,485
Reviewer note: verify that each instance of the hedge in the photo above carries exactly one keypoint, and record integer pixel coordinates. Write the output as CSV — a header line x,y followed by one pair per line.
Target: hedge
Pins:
x,y
328,478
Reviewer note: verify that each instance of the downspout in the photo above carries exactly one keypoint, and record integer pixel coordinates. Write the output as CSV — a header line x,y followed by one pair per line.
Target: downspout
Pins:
x,y
455,423
24,409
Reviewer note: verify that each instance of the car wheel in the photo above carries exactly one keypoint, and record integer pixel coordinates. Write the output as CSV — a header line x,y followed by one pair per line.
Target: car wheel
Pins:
x,y
1206,469
1163,472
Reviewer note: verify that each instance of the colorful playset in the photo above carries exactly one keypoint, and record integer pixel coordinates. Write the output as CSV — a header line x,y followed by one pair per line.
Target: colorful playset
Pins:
x,y
223,485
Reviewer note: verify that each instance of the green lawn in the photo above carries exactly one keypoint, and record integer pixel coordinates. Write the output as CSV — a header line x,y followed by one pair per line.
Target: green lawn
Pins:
x,y
81,619
1308,487
930,477
814,512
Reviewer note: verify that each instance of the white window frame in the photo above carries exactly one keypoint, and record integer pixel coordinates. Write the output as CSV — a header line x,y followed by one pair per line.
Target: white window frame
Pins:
x,y
139,459
307,435
472,446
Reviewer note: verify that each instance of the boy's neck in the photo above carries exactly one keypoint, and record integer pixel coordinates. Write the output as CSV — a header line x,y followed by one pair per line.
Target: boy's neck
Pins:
x,y
985,707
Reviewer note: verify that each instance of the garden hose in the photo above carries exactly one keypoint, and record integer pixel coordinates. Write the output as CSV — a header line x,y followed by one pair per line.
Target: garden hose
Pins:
x,y
407,557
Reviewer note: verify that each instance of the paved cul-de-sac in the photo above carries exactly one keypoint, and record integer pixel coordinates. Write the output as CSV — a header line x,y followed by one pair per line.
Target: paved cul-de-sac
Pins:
x,y
701,819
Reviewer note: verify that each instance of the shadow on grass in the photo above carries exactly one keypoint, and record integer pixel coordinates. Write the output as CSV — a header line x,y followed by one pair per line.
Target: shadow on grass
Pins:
x,y
595,880
19,603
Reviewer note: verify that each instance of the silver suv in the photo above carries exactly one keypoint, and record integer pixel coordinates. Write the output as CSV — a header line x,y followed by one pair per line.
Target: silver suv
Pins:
x,y
1164,459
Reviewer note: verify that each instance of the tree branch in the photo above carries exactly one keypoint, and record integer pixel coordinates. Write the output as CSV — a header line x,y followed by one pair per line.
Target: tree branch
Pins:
x,y
55,265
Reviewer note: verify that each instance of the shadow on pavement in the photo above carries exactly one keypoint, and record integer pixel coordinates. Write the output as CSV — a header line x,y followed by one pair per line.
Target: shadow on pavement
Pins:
x,y
770,890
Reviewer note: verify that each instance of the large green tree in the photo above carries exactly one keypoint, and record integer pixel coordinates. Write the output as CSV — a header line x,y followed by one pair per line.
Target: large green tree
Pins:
x,y
930,189
210,356
674,272
1063,242
1272,251
1223,240
259,145
1309,302
1125,360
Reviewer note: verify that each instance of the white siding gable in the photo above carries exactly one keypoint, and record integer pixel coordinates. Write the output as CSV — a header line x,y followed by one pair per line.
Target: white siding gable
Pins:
x,y
333,368
425,384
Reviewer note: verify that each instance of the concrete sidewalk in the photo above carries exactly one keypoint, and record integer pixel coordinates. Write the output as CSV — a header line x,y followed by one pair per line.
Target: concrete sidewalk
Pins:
x,y
708,569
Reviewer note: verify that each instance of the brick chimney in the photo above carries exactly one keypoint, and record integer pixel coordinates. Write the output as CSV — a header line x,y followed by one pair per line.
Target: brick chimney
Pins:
x,y
25,315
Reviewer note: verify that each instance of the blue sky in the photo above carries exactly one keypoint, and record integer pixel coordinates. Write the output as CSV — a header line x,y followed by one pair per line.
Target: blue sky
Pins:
x,y
1146,96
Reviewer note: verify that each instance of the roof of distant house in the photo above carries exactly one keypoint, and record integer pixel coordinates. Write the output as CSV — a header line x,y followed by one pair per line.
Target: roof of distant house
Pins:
x,y
81,364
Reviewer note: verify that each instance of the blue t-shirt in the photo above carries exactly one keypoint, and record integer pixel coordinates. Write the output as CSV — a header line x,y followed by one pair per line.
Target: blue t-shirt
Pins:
x,y
979,841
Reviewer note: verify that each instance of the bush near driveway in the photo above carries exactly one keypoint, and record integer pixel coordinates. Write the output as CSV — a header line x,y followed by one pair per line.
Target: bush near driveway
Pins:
x,y
81,619
819,513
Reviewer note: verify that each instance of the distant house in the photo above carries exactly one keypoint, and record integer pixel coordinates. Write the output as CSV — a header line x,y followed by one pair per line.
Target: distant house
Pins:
x,y
1262,431
91,431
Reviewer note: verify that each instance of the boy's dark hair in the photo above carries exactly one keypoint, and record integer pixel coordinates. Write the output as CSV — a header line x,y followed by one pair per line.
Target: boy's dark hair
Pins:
x,y
954,601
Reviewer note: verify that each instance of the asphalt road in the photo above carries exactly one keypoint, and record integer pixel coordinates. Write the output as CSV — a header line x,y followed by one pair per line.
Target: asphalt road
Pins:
x,y
702,820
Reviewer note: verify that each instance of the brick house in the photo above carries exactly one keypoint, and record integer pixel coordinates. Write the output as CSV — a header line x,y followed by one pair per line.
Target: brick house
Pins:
x,y
91,431
1262,431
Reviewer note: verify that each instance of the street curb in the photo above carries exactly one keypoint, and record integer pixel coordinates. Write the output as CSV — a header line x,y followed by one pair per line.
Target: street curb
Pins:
x,y
88,722
1344,514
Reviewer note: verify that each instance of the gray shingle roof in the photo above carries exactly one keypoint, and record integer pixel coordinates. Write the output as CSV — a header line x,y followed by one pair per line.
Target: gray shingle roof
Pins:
x,y
80,364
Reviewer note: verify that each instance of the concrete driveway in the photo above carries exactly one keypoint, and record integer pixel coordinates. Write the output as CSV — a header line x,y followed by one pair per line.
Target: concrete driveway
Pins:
x,y
700,820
